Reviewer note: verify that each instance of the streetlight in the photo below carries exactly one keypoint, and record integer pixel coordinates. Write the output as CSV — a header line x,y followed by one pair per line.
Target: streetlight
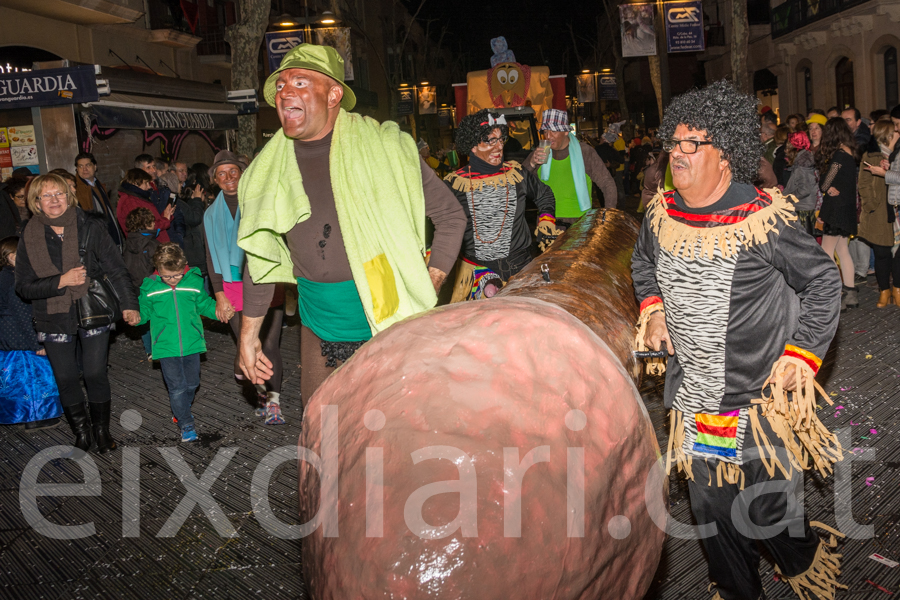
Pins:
x,y
327,18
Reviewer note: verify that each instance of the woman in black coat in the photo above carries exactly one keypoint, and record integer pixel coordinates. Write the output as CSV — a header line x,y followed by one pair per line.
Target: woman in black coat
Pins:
x,y
837,180
193,204
53,274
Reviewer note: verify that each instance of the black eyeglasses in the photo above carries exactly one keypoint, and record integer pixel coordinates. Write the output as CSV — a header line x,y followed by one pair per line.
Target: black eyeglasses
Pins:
x,y
172,277
493,141
687,146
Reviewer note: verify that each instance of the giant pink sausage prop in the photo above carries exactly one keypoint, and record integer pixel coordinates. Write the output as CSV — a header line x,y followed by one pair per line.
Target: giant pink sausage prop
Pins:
x,y
493,449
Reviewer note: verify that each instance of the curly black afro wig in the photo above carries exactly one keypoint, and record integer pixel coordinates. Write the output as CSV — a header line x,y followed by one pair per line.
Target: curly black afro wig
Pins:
x,y
729,118
474,129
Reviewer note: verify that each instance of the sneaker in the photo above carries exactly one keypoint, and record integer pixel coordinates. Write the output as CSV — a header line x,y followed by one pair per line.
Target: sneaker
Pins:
x,y
188,435
860,279
273,414
261,401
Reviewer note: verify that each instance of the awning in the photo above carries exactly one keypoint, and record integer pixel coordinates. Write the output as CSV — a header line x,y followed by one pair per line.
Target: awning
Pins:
x,y
131,111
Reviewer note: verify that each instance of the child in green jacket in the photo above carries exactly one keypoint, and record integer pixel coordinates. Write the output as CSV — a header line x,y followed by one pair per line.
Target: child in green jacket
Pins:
x,y
172,299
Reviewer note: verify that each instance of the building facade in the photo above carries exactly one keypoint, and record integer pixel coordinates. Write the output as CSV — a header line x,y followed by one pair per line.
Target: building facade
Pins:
x,y
818,54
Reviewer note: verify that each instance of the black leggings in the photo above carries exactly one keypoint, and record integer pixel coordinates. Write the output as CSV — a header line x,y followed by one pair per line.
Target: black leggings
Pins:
x,y
886,266
270,336
94,354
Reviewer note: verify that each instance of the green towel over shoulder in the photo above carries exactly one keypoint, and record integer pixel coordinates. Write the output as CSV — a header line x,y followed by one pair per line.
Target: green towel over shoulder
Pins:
x,y
377,183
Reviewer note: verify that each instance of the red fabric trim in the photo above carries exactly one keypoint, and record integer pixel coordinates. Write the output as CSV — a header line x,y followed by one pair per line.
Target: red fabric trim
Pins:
x,y
650,302
725,432
464,173
812,364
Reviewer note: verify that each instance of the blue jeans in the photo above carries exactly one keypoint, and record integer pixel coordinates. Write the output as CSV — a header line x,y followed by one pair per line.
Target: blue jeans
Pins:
x,y
182,376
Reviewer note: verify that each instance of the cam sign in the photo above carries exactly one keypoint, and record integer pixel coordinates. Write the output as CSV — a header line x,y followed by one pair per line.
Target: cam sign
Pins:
x,y
278,43
684,26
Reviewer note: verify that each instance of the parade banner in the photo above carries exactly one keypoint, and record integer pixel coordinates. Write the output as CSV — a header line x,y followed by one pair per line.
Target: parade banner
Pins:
x,y
638,30
427,100
684,26
607,87
48,87
584,84
339,39
407,103
445,117
278,43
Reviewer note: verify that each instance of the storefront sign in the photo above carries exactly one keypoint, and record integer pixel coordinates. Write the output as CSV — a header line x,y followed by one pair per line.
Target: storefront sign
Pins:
x,y
684,26
48,87
120,117
278,43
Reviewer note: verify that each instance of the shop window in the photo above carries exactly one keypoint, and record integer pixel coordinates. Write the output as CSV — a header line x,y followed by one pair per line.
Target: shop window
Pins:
x,y
843,77
891,92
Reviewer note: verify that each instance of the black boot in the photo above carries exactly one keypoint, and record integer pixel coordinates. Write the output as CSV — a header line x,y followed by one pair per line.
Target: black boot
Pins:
x,y
849,298
100,420
78,421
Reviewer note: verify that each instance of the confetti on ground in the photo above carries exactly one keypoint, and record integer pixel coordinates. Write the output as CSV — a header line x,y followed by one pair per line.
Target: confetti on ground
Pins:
x,y
873,431
879,587
870,481
868,356
852,423
885,561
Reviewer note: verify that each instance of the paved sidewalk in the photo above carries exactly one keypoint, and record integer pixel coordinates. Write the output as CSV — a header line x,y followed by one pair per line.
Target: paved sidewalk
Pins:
x,y
863,370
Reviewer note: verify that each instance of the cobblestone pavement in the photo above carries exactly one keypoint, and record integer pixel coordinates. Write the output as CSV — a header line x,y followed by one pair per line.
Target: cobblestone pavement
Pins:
x,y
861,372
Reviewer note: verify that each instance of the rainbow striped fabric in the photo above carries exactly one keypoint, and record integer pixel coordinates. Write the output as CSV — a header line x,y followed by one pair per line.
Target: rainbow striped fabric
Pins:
x,y
717,434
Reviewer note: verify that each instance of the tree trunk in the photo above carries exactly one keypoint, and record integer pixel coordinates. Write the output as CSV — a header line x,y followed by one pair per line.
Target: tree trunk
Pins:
x,y
740,38
245,38
656,79
612,22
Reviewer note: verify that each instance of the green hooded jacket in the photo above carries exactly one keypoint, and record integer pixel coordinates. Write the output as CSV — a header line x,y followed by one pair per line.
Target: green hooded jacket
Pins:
x,y
174,314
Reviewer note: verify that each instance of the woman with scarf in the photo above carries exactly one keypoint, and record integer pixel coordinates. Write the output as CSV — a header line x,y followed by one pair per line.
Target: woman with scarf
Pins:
x,y
226,264
134,192
53,273
497,243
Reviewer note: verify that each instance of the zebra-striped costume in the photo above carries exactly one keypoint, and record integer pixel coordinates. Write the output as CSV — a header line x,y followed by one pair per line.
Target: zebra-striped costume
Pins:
x,y
741,288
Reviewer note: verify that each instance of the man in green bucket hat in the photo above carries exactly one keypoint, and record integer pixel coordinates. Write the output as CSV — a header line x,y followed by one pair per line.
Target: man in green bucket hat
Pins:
x,y
336,204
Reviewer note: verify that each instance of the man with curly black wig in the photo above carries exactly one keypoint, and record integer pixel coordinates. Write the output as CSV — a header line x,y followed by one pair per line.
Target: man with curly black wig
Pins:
x,y
493,193
746,306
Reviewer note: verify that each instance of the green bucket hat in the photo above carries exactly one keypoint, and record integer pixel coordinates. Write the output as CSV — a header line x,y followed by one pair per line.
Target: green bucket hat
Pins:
x,y
322,59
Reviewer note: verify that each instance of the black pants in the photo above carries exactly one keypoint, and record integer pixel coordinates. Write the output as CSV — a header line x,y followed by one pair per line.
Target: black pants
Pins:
x,y
886,266
270,338
94,354
733,557
512,264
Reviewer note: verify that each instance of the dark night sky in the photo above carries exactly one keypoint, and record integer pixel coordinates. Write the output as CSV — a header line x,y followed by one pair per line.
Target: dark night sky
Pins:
x,y
528,25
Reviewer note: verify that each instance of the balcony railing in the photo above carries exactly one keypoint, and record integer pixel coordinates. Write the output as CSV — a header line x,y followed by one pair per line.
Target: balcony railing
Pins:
x,y
794,14
212,41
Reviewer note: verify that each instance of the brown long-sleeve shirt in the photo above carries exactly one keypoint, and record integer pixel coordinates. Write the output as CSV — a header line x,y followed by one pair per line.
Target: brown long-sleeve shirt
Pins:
x,y
316,245
593,167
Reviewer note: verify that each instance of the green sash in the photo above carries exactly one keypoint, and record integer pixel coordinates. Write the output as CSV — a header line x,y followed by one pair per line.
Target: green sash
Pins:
x,y
333,311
